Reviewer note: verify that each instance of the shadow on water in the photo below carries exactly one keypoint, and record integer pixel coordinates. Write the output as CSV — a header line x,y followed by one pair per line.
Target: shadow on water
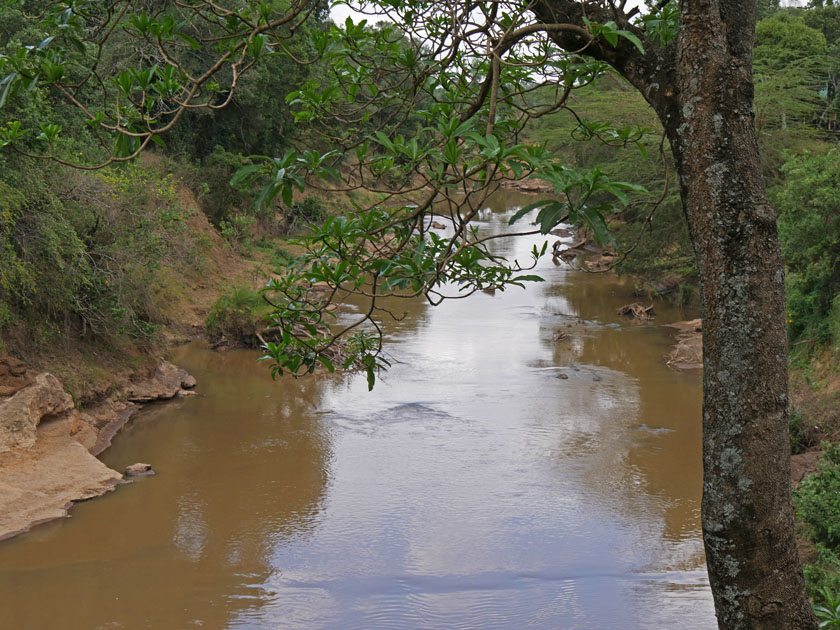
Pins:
x,y
500,476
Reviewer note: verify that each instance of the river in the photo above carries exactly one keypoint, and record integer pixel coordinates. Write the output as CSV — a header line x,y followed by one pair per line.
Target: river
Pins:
x,y
496,477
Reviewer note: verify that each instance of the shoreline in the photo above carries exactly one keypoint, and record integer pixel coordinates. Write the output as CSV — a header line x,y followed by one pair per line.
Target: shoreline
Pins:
x,y
48,448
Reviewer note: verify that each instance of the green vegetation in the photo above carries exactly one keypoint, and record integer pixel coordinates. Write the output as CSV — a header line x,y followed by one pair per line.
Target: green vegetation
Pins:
x,y
239,315
818,507
267,101
101,255
809,225
90,246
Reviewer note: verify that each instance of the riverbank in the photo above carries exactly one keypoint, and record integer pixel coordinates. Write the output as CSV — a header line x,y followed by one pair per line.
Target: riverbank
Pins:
x,y
48,447
66,390
814,394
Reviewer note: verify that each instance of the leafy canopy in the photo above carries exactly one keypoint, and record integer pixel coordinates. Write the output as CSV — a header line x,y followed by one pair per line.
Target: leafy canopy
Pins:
x,y
423,112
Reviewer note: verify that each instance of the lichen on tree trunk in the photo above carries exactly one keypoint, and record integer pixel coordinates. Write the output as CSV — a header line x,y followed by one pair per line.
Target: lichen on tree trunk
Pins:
x,y
701,87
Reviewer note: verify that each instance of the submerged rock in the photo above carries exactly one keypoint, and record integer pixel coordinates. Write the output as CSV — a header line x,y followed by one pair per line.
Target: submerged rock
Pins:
x,y
139,470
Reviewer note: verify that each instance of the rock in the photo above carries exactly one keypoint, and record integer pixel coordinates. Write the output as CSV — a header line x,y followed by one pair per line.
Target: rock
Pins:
x,y
601,262
528,186
167,382
597,378
47,446
13,376
102,420
21,414
667,286
12,366
688,353
562,232
41,483
562,376
139,470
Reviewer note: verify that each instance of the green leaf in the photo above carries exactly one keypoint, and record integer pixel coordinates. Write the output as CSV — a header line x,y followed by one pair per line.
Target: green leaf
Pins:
x,y
551,215
192,42
286,194
633,39
243,173
596,221
526,209
6,87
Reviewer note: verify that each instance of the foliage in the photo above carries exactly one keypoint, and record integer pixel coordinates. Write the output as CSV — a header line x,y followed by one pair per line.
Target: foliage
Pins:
x,y
161,63
660,245
238,314
809,226
829,613
825,19
818,506
93,254
791,65
785,37
818,500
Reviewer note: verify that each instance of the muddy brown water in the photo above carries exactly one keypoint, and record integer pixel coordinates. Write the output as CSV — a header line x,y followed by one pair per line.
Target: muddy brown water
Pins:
x,y
474,488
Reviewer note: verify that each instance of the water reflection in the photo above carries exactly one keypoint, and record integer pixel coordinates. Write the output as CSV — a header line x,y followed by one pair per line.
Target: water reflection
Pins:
x,y
474,488
241,469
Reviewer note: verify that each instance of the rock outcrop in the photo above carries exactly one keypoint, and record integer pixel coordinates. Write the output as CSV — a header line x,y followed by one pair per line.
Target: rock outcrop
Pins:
x,y
47,446
41,483
168,381
21,413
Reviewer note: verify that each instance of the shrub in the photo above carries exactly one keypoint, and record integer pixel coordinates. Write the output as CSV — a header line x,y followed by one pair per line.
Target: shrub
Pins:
x,y
239,314
818,500
818,506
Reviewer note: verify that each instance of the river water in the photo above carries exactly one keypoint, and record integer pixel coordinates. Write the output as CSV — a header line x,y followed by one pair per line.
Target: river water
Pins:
x,y
475,487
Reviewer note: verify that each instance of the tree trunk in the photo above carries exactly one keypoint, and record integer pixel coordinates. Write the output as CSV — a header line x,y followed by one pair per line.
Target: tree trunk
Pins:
x,y
701,87
748,527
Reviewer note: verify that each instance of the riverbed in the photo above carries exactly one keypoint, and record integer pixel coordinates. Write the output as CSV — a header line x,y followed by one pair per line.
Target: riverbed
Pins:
x,y
529,461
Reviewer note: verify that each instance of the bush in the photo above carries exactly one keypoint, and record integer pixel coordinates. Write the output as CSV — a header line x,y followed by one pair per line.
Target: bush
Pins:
x,y
239,314
92,255
818,500
818,506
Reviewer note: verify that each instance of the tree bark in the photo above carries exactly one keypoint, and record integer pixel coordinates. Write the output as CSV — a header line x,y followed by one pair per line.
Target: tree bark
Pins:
x,y
701,87
748,527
